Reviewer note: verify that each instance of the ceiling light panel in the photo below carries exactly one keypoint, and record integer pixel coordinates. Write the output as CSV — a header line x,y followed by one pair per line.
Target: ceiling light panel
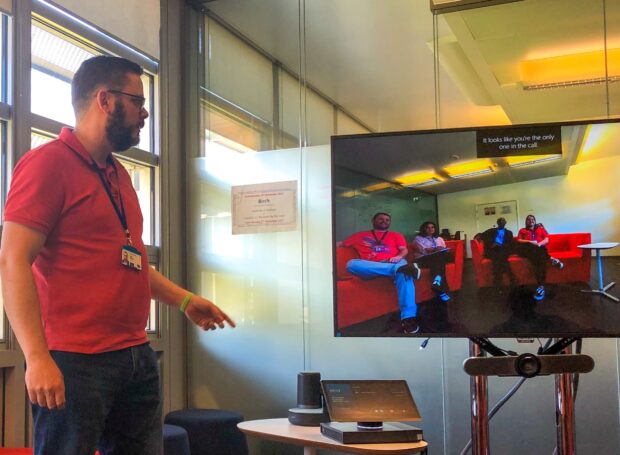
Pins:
x,y
531,160
419,179
584,68
470,169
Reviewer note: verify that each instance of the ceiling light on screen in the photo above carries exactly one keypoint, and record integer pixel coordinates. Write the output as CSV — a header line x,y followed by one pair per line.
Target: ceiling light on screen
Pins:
x,y
369,189
530,160
349,194
470,169
378,187
419,179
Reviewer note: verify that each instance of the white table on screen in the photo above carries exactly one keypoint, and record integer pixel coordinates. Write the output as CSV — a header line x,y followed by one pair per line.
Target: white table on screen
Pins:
x,y
311,439
602,288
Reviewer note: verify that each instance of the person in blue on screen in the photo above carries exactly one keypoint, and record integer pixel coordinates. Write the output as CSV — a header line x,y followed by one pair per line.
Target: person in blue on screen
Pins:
x,y
498,243
382,253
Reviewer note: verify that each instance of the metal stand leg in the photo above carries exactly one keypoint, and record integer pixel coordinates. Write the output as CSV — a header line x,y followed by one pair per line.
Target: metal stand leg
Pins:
x,y
602,289
565,412
479,409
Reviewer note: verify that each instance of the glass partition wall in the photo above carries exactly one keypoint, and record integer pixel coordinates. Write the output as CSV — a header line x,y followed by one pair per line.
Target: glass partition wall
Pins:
x,y
270,82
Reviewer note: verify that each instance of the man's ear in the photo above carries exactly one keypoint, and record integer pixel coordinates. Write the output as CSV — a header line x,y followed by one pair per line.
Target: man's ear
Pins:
x,y
104,101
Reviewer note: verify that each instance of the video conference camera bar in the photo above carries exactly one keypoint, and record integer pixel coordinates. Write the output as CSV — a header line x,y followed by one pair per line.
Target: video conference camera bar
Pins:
x,y
547,361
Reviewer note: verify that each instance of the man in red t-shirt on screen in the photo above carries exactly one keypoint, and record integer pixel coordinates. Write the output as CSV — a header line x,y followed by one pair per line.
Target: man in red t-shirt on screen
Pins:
x,y
382,253
76,280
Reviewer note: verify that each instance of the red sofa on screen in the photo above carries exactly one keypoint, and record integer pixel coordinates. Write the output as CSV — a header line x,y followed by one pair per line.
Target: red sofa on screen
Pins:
x,y
360,300
562,246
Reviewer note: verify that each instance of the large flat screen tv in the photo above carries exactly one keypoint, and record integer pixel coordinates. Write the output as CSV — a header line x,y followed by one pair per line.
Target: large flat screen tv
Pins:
x,y
435,198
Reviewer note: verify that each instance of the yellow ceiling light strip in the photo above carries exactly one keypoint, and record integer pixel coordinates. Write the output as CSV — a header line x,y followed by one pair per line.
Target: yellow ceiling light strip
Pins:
x,y
530,160
349,194
377,187
584,67
419,179
470,169
369,189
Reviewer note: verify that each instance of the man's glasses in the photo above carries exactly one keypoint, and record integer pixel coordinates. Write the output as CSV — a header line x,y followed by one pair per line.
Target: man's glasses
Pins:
x,y
138,100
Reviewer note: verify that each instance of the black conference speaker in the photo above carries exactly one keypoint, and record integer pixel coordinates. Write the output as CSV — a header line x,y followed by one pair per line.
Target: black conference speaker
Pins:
x,y
309,390
309,410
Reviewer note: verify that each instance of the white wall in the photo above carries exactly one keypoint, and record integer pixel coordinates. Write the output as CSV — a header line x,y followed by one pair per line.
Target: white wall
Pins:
x,y
136,22
585,200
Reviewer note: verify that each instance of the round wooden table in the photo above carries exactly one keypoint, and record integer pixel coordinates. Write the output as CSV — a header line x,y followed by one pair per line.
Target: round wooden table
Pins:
x,y
310,438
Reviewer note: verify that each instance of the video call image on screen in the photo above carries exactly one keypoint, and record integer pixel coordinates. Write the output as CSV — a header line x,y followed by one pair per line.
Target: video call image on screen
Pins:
x,y
515,230
368,401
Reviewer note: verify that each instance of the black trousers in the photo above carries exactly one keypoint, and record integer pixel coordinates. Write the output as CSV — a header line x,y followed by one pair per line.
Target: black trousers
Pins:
x,y
538,257
436,262
499,260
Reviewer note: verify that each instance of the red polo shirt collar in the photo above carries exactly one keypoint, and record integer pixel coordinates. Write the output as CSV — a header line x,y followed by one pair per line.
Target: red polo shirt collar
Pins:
x,y
68,137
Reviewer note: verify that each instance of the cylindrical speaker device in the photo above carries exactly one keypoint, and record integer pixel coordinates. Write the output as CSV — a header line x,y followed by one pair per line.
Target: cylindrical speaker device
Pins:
x,y
309,411
309,390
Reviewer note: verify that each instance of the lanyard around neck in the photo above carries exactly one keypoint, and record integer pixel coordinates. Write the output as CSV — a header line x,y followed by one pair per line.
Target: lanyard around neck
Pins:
x,y
120,211
379,240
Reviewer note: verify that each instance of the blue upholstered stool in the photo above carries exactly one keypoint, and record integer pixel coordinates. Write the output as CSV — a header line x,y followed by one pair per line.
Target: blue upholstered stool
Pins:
x,y
211,431
176,441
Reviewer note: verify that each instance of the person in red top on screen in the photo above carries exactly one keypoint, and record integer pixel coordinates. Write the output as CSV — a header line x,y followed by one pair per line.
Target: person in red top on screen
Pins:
x,y
531,244
382,253
76,281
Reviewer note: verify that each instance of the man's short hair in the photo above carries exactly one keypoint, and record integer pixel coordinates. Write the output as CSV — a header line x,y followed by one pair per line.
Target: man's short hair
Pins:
x,y
97,71
374,217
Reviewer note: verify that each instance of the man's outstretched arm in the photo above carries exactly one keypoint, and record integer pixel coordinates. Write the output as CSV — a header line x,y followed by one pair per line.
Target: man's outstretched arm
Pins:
x,y
20,247
199,310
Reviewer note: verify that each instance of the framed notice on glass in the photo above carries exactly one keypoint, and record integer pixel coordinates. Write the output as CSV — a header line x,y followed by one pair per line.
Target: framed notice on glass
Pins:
x,y
264,207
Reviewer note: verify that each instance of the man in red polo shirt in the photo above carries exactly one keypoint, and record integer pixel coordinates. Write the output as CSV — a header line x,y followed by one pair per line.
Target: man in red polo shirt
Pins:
x,y
383,253
76,280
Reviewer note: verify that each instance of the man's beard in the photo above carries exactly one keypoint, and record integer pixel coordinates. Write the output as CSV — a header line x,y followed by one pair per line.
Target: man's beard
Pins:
x,y
117,133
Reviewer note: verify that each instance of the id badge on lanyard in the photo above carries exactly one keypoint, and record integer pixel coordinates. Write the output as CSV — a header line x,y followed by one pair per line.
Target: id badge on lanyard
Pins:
x,y
130,255
379,246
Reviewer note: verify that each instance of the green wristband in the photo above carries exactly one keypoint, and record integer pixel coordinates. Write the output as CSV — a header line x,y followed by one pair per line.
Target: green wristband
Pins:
x,y
185,302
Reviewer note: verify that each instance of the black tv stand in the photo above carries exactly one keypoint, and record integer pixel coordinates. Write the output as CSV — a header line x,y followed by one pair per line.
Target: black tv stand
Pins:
x,y
555,359
556,348
559,346
486,345
546,361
